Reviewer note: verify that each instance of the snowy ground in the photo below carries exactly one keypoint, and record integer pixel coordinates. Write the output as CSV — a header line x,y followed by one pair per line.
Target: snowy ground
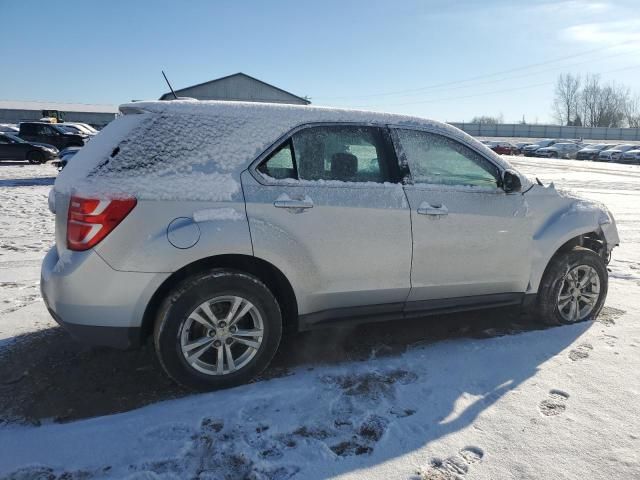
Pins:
x,y
388,401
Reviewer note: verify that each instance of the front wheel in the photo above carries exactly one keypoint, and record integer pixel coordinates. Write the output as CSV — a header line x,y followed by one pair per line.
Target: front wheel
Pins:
x,y
35,158
217,330
573,288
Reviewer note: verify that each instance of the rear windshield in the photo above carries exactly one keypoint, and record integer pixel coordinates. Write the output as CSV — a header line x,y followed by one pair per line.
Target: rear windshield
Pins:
x,y
170,156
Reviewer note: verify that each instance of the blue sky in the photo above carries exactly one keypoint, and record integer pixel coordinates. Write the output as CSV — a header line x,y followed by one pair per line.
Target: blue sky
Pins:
x,y
435,58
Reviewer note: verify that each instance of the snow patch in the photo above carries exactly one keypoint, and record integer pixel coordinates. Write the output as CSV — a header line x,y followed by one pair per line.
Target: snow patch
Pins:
x,y
214,214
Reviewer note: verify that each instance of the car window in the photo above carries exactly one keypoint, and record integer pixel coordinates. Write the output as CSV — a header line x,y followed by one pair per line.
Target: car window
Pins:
x,y
4,139
439,160
341,152
280,164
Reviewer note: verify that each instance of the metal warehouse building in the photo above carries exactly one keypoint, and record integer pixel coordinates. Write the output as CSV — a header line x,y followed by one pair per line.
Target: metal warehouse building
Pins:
x,y
19,111
238,86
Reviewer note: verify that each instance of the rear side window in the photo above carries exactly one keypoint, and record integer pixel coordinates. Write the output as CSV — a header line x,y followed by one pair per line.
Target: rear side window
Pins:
x,y
338,152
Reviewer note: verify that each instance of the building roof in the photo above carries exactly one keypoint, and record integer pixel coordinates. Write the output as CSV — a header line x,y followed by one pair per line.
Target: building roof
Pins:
x,y
169,95
63,107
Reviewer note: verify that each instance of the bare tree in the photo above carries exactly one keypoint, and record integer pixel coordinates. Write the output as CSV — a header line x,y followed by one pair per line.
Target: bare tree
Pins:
x,y
488,120
632,112
589,100
566,100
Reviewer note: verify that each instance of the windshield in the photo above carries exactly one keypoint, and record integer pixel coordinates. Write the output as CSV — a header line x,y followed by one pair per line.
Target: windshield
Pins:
x,y
14,137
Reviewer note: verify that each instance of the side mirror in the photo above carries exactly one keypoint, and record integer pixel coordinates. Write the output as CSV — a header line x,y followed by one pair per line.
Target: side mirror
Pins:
x,y
511,182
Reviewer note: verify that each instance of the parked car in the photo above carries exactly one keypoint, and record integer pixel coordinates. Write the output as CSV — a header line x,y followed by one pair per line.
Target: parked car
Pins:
x,y
288,218
8,128
559,150
13,147
521,145
591,152
85,127
530,150
51,134
631,156
503,148
78,129
615,153
64,157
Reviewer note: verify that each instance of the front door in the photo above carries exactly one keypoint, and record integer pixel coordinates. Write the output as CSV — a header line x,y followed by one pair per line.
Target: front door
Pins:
x,y
470,238
327,208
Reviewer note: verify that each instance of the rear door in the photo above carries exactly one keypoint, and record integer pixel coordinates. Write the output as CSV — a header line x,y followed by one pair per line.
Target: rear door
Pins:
x,y
328,209
470,238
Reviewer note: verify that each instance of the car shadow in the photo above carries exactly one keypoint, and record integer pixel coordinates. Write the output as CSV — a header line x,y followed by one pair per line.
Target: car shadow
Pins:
x,y
47,376
39,369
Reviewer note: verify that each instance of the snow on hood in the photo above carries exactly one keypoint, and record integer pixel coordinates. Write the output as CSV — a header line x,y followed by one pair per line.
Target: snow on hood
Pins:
x,y
195,150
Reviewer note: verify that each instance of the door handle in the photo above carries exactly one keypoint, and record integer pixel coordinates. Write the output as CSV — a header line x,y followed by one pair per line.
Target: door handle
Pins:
x,y
432,210
295,204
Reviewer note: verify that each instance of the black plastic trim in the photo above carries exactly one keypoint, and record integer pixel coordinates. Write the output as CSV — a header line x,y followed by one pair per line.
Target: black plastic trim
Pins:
x,y
121,338
399,311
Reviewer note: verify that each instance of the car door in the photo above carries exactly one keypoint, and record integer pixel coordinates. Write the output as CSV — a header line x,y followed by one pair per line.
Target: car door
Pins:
x,y
50,135
327,208
5,147
470,238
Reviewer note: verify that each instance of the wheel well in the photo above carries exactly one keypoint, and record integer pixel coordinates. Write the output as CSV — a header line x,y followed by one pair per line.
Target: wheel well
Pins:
x,y
592,240
271,276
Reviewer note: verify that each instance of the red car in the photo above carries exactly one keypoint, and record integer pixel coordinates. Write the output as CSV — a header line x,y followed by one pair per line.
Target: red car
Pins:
x,y
502,148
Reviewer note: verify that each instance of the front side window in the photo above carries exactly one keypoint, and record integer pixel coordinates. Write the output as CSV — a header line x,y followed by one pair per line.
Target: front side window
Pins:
x,y
343,153
438,160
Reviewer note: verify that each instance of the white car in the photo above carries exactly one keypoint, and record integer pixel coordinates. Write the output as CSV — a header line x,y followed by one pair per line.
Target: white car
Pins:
x,y
559,150
82,127
8,128
614,154
631,156
289,217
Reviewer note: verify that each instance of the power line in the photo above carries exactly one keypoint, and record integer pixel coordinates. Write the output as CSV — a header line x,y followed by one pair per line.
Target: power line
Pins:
x,y
478,77
483,93
513,77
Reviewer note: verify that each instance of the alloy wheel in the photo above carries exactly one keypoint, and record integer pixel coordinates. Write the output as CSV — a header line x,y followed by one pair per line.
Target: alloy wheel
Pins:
x,y
579,293
222,335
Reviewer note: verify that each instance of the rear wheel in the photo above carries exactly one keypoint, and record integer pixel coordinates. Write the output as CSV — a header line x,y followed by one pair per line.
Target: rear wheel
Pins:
x,y
35,157
217,330
573,288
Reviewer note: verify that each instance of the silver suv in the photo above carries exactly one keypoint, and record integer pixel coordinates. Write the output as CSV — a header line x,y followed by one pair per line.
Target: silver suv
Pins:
x,y
210,228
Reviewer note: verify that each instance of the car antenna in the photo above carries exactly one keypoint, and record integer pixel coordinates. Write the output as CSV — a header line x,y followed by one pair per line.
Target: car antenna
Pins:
x,y
170,87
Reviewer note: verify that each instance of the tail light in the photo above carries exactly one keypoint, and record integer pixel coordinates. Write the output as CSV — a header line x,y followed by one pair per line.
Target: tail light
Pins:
x,y
90,220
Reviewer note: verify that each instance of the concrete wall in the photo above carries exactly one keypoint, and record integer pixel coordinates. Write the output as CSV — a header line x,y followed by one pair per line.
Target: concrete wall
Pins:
x,y
97,119
548,131
237,87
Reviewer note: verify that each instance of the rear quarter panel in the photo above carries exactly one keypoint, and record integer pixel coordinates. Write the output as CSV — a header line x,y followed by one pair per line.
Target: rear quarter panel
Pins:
x,y
140,243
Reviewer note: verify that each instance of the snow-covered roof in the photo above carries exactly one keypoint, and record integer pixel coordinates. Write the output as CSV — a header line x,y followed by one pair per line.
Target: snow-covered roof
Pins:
x,y
63,107
196,150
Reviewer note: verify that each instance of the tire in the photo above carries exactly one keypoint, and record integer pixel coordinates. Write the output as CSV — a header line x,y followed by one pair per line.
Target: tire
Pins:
x,y
35,157
175,330
549,308
554,155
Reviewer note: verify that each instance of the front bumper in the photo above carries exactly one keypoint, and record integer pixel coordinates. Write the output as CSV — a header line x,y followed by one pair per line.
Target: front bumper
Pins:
x,y
95,303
